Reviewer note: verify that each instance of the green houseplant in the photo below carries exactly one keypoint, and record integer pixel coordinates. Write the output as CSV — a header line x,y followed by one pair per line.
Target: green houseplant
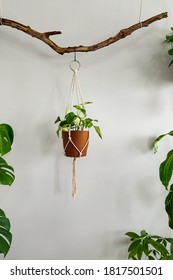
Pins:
x,y
154,246
169,41
6,178
74,127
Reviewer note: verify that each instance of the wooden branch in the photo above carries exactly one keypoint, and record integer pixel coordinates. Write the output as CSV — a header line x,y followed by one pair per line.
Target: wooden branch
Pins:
x,y
61,50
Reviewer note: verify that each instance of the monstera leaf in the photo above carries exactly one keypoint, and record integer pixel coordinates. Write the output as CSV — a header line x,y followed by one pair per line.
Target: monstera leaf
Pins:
x,y
6,173
5,234
6,138
6,178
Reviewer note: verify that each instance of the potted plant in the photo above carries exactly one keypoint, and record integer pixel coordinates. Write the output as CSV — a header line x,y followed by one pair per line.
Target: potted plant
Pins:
x,y
75,130
169,40
6,178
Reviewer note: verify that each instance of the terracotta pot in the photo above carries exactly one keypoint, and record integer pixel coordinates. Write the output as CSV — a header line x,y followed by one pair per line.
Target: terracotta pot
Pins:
x,y
80,139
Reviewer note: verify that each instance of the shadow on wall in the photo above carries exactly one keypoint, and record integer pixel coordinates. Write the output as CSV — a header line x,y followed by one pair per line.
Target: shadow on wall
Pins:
x,y
115,246
47,138
154,63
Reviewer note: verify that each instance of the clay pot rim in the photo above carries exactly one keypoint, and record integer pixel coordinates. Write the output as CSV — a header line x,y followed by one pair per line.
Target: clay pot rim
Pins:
x,y
75,131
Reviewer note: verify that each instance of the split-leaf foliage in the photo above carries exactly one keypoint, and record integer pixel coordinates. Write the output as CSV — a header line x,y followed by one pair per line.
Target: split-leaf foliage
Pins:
x,y
6,178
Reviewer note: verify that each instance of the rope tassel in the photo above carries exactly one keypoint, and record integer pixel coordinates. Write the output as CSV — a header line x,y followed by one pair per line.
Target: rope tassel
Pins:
x,y
74,181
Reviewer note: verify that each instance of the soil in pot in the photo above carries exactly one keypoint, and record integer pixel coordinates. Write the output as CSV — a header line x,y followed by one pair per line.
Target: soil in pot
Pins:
x,y
79,142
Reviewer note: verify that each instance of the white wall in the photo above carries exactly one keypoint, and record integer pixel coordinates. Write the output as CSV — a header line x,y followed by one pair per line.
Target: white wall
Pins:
x,y
131,87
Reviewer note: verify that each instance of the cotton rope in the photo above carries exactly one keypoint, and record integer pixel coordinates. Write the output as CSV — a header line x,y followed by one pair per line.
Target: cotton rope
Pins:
x,y
75,92
75,89
140,12
1,12
74,190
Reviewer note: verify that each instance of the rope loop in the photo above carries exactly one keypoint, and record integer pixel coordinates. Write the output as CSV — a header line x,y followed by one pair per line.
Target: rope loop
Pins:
x,y
74,65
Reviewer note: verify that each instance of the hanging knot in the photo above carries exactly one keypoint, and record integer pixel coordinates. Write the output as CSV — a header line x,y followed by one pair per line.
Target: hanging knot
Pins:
x,y
80,154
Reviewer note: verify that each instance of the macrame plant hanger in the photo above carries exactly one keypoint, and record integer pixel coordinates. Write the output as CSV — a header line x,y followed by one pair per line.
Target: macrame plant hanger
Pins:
x,y
75,98
75,92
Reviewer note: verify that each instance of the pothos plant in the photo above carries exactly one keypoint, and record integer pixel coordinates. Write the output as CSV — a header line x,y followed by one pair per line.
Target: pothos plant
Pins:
x,y
154,246
6,178
77,120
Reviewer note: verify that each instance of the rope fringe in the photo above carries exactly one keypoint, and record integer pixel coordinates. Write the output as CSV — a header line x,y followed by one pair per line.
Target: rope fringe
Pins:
x,y
74,182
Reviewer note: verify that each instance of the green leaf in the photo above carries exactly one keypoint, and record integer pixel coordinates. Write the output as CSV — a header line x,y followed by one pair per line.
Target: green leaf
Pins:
x,y
170,240
70,117
4,246
88,102
151,258
78,107
166,169
87,123
4,223
156,236
156,253
6,176
155,144
58,120
164,242
169,38
169,208
171,248
170,257
133,252
143,233
140,252
5,235
159,247
133,235
63,123
6,138
134,244
97,129
2,214
170,63
145,246
170,51
83,112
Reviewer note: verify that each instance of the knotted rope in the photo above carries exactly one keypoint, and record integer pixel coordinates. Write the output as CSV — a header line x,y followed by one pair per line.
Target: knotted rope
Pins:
x,y
74,181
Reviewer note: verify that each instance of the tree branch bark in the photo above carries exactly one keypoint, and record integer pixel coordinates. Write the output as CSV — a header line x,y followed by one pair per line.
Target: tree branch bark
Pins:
x,y
44,37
